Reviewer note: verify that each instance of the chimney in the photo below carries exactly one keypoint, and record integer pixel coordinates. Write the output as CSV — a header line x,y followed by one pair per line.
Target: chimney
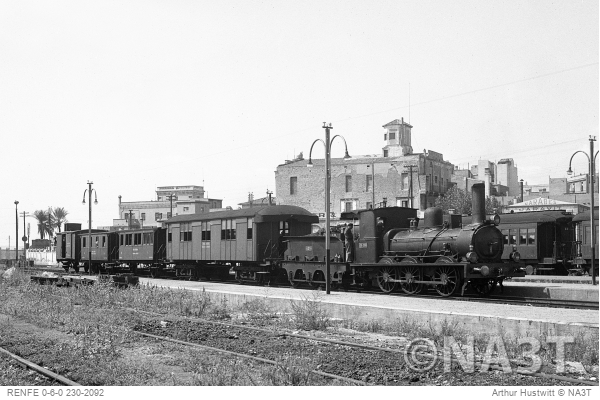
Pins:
x,y
478,203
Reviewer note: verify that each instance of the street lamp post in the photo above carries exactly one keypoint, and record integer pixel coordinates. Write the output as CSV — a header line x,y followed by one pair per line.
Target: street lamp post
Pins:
x,y
521,181
372,183
171,199
17,236
89,190
591,158
327,144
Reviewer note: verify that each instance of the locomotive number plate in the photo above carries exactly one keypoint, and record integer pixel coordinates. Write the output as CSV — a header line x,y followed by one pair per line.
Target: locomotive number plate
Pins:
x,y
362,245
308,248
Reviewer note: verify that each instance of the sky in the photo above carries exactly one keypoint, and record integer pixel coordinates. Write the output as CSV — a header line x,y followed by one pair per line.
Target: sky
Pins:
x,y
132,95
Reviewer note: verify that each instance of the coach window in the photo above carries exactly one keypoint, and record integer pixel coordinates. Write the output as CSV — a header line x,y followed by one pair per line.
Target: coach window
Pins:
x,y
83,241
205,231
523,237
137,239
233,228
223,229
531,236
169,236
103,241
284,228
249,230
512,236
121,237
96,240
505,236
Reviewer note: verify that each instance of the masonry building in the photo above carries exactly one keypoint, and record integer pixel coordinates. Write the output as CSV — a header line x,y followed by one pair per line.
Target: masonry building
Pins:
x,y
170,200
395,177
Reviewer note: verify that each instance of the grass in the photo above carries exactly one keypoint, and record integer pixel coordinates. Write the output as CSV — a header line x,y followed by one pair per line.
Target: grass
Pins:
x,y
96,346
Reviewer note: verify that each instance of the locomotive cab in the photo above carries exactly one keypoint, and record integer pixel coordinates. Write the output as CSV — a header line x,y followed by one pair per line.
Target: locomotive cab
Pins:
x,y
375,226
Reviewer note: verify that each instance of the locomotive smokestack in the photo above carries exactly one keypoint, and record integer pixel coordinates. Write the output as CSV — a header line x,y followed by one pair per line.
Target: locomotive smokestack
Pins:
x,y
478,203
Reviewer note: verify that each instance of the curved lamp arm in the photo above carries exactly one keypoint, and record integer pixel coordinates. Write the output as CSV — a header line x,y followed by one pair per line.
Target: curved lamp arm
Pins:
x,y
570,171
345,145
310,164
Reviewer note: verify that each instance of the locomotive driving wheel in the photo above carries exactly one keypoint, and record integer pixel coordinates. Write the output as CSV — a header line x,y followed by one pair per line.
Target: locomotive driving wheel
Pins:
x,y
448,276
386,274
409,271
298,276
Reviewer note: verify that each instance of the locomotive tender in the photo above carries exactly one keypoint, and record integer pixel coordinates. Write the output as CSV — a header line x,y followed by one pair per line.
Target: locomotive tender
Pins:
x,y
393,252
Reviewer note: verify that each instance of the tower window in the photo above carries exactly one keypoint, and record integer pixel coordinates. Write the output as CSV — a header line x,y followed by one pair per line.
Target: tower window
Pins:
x,y
348,183
392,135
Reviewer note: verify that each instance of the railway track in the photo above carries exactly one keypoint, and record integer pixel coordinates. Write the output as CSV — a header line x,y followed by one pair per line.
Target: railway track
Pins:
x,y
399,353
498,299
39,369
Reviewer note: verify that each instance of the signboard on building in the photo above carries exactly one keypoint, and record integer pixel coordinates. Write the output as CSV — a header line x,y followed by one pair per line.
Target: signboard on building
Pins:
x,y
545,204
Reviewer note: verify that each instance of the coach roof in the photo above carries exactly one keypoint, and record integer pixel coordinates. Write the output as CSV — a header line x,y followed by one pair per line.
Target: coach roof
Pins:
x,y
260,214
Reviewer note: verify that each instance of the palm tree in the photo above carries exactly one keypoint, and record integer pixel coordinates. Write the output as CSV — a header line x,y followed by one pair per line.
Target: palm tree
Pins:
x,y
59,215
42,218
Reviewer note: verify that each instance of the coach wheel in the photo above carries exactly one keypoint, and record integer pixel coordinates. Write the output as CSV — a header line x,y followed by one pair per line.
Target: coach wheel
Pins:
x,y
448,276
385,276
410,272
486,287
76,268
318,279
299,276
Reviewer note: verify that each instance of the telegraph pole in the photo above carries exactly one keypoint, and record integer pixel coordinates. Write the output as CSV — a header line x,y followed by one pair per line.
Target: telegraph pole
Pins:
x,y
410,187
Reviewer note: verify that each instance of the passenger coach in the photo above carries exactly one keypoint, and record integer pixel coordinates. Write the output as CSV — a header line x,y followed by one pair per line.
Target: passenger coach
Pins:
x,y
244,242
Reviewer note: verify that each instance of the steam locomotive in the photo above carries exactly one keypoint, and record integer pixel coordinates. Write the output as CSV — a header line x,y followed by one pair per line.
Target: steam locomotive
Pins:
x,y
268,244
394,251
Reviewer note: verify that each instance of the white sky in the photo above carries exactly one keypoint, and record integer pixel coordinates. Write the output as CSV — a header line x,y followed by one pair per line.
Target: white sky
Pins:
x,y
138,94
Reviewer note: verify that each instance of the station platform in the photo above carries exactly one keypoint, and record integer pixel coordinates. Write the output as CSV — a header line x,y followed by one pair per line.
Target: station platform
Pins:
x,y
557,288
466,316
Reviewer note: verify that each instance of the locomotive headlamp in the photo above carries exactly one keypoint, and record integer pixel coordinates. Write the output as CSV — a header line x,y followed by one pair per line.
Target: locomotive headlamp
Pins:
x,y
485,270
496,219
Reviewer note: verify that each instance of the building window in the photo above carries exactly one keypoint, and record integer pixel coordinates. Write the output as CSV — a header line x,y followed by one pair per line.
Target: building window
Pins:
x,y
293,185
385,136
392,135
186,209
143,217
347,206
369,205
157,216
168,215
385,153
348,183
369,183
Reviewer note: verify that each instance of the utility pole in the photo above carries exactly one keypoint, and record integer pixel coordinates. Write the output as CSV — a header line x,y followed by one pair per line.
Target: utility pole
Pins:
x,y
24,235
17,232
410,185
171,200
